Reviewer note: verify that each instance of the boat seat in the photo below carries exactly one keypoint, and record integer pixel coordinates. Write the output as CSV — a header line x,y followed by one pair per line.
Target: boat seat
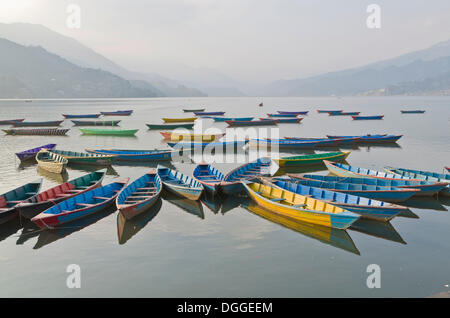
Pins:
x,y
277,199
147,188
74,190
116,191
13,202
83,187
101,198
84,204
299,205
60,195
30,193
3,210
140,197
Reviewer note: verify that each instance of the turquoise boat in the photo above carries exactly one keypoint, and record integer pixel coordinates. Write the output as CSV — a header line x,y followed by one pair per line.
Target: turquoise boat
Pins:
x,y
232,118
178,183
209,177
423,175
426,188
135,155
363,187
366,207
212,145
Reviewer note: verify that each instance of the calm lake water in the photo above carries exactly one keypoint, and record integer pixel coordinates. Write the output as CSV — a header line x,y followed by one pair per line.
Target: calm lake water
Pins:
x,y
219,248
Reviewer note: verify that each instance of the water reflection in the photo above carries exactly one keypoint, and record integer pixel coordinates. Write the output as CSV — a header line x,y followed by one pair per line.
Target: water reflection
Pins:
x,y
327,235
212,202
110,171
55,177
425,203
49,236
304,169
9,228
383,230
232,201
126,229
29,231
190,206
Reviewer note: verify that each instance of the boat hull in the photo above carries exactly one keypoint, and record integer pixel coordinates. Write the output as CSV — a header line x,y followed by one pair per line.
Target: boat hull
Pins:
x,y
296,161
104,123
179,120
169,126
109,132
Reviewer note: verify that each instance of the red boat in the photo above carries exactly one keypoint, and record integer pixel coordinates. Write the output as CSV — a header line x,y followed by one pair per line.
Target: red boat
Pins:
x,y
11,121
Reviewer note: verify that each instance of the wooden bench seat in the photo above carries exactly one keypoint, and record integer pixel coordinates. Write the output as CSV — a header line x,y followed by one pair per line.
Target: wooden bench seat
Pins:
x,y
101,198
277,199
84,204
147,188
139,196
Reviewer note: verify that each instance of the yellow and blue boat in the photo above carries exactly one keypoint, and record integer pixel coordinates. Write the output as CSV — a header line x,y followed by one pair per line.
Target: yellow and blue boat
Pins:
x,y
299,207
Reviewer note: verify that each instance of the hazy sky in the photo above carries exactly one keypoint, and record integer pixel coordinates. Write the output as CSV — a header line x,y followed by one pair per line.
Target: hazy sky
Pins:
x,y
248,40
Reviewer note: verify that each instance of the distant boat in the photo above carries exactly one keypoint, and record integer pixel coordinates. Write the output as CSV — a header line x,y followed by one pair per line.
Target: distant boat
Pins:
x,y
371,138
136,155
260,104
81,116
376,117
412,111
209,113
104,123
193,110
37,132
179,120
344,113
169,126
296,120
232,118
293,144
212,145
191,137
235,123
282,115
328,111
292,113
304,160
31,153
10,121
37,123
118,113
108,132
82,158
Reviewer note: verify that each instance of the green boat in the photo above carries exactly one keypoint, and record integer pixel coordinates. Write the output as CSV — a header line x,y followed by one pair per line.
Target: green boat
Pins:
x,y
311,159
170,126
109,132
85,158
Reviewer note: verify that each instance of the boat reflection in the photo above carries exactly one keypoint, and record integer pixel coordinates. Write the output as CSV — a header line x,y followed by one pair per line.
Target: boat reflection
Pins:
x,y
110,171
147,164
424,203
55,177
383,230
23,165
49,236
445,201
331,236
231,202
29,231
212,202
367,147
190,206
126,229
302,169
9,228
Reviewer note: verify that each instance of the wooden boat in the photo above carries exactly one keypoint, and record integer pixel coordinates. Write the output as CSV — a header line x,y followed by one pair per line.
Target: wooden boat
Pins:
x,y
118,113
422,175
383,190
31,153
211,145
426,188
285,143
169,126
82,158
299,207
293,113
79,206
51,162
209,177
10,199
48,198
311,159
209,113
108,132
371,138
327,235
368,117
412,111
106,123
135,155
328,111
191,137
180,184
337,141
281,115
344,113
11,121
180,120
67,116
37,123
239,123
231,183
232,118
367,208
37,132
194,110
296,120
139,195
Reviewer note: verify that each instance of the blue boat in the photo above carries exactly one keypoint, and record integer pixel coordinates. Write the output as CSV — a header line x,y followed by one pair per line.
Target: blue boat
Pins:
x,y
282,115
178,183
79,206
426,188
369,188
366,207
295,120
136,155
423,175
81,116
231,183
412,111
211,145
31,153
338,141
294,113
118,113
139,195
376,117
209,177
286,143
371,138
232,118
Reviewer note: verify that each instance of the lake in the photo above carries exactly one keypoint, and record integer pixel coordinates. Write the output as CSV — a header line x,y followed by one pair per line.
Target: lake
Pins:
x,y
228,247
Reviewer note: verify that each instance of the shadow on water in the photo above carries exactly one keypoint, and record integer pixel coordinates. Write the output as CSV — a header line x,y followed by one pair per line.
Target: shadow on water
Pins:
x,y
149,164
29,231
445,201
212,202
110,171
23,165
379,229
231,202
300,169
425,203
55,177
49,236
334,237
126,229
190,206
9,228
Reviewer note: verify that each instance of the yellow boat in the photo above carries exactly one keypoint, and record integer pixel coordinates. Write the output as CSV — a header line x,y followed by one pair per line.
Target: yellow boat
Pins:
x,y
50,161
190,137
180,120
299,207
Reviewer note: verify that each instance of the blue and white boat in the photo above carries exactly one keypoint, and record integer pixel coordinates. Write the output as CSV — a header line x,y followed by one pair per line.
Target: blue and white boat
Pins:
x,y
178,183
136,155
231,118
201,145
209,177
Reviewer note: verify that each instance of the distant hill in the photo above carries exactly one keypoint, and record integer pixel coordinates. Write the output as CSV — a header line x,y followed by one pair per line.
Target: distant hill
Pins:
x,y
33,72
416,67
81,55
